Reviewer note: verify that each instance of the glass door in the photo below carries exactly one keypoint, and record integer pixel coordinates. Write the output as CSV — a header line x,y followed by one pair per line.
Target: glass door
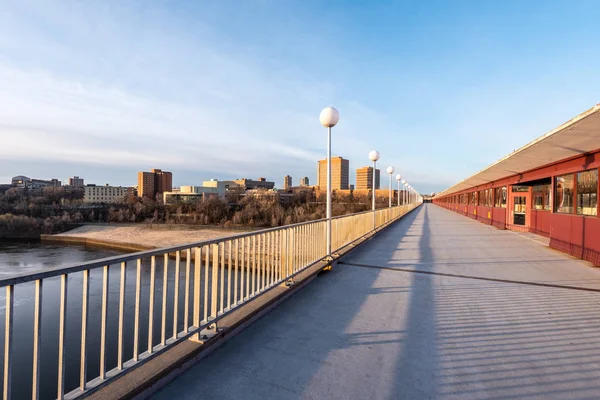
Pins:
x,y
519,210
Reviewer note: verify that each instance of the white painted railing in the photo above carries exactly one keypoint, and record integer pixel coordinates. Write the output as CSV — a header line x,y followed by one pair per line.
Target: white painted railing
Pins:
x,y
116,313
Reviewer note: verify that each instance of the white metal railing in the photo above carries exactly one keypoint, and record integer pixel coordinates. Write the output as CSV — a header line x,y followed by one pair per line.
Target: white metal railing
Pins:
x,y
115,313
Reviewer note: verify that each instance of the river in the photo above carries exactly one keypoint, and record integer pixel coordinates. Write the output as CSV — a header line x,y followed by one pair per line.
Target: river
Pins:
x,y
19,258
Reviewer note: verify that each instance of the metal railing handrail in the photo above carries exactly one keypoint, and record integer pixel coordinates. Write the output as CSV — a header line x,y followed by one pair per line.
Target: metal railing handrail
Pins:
x,y
101,262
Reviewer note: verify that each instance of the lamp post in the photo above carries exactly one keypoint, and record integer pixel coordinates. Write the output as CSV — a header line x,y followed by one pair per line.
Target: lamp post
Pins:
x,y
390,171
329,117
374,156
405,194
398,178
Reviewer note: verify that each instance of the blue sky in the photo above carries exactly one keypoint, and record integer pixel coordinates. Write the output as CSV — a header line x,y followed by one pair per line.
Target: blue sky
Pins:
x,y
231,89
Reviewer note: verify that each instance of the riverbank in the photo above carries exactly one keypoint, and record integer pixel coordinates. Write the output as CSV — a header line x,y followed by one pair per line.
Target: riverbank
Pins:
x,y
136,237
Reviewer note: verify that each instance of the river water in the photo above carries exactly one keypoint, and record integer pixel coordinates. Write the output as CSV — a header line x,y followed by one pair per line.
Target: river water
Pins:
x,y
19,258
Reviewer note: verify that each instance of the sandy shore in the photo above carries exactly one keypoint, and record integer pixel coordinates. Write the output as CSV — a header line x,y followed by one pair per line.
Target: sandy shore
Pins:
x,y
140,235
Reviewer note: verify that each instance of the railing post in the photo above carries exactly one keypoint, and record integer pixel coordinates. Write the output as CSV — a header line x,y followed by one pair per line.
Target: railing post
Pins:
x,y
163,325
105,276
214,282
196,308
284,254
151,305
8,337
206,275
62,321
243,276
37,339
229,268
136,327
186,307
222,279
176,294
253,285
122,288
84,326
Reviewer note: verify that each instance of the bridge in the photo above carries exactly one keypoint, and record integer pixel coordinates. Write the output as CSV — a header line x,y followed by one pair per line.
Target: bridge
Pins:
x,y
436,306
489,292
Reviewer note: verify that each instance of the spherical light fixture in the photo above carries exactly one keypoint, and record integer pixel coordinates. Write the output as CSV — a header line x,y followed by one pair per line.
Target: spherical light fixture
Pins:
x,y
390,170
373,155
329,117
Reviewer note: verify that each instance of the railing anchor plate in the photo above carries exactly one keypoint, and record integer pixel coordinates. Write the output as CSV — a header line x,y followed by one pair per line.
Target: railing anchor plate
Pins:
x,y
208,332
290,282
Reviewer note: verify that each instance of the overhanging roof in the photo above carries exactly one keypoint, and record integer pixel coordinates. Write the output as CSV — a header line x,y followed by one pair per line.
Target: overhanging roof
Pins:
x,y
578,136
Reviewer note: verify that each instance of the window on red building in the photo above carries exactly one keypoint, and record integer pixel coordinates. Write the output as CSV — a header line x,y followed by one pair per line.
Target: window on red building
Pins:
x,y
587,192
542,197
500,197
563,194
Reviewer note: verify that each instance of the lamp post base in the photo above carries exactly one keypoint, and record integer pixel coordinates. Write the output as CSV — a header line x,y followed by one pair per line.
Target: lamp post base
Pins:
x,y
332,261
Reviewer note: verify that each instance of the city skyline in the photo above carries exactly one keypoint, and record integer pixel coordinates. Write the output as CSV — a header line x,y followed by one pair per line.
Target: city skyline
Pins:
x,y
135,182
156,84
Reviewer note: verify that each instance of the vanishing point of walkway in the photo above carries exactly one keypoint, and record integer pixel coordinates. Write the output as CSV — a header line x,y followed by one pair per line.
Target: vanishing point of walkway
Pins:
x,y
438,306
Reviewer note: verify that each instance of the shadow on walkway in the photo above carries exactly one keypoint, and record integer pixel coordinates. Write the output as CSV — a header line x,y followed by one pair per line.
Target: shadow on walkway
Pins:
x,y
358,333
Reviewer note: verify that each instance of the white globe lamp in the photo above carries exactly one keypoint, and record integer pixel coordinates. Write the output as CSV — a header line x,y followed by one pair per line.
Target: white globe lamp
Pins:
x,y
329,117
374,155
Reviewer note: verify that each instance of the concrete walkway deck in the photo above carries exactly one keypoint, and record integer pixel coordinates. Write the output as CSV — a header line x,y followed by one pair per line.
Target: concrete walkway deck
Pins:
x,y
422,311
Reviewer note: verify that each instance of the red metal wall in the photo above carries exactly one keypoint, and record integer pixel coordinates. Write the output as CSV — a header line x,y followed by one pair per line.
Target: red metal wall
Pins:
x,y
472,211
541,222
578,236
499,217
483,213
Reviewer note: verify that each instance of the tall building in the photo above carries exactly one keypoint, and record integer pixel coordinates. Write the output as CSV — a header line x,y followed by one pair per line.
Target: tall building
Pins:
x,y
287,182
364,178
163,181
304,181
146,185
76,182
340,173
155,182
